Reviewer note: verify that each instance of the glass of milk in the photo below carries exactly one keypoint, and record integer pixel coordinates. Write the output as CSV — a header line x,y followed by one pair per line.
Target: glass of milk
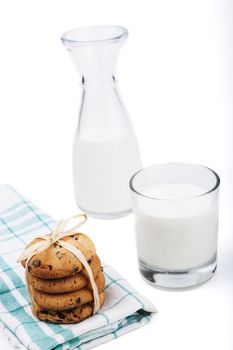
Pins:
x,y
176,210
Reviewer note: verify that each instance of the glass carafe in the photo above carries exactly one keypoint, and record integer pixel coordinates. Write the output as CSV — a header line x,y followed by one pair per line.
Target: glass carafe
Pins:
x,y
105,151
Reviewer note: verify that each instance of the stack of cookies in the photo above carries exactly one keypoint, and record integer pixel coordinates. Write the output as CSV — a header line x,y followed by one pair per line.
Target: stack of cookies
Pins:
x,y
59,284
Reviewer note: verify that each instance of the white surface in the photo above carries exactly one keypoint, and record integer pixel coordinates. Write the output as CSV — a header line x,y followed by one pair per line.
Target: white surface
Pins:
x,y
176,77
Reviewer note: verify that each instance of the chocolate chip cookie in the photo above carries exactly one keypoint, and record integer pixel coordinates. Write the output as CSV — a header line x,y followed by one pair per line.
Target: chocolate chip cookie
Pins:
x,y
57,262
67,301
74,315
67,284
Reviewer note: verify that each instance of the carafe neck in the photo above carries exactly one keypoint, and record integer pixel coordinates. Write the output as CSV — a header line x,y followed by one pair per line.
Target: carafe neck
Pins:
x,y
98,82
94,50
96,64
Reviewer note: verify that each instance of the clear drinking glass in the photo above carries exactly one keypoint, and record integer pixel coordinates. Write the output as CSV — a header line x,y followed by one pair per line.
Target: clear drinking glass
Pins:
x,y
176,209
105,152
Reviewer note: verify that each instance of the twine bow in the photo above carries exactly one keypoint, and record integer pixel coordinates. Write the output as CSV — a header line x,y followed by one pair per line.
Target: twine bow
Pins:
x,y
57,236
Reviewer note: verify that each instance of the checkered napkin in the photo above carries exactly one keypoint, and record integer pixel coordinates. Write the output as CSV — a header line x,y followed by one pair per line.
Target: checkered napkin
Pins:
x,y
124,309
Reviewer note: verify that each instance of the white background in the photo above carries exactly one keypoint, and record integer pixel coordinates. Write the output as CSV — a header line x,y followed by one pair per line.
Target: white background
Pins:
x,y
175,74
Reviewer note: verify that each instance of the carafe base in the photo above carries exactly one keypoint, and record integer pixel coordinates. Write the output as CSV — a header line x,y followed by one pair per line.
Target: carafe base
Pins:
x,y
105,216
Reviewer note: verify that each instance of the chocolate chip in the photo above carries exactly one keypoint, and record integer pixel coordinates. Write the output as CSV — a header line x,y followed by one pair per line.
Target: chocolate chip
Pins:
x,y
60,254
60,315
50,267
57,246
36,263
78,300
44,312
75,269
102,269
76,238
29,269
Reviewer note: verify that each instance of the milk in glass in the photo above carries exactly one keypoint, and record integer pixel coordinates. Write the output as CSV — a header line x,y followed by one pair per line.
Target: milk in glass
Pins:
x,y
175,233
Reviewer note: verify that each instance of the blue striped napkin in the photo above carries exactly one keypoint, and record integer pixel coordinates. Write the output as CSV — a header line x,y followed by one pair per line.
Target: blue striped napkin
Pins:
x,y
124,309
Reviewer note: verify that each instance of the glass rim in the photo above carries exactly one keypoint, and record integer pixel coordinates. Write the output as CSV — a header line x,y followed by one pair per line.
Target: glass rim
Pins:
x,y
212,189
121,33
